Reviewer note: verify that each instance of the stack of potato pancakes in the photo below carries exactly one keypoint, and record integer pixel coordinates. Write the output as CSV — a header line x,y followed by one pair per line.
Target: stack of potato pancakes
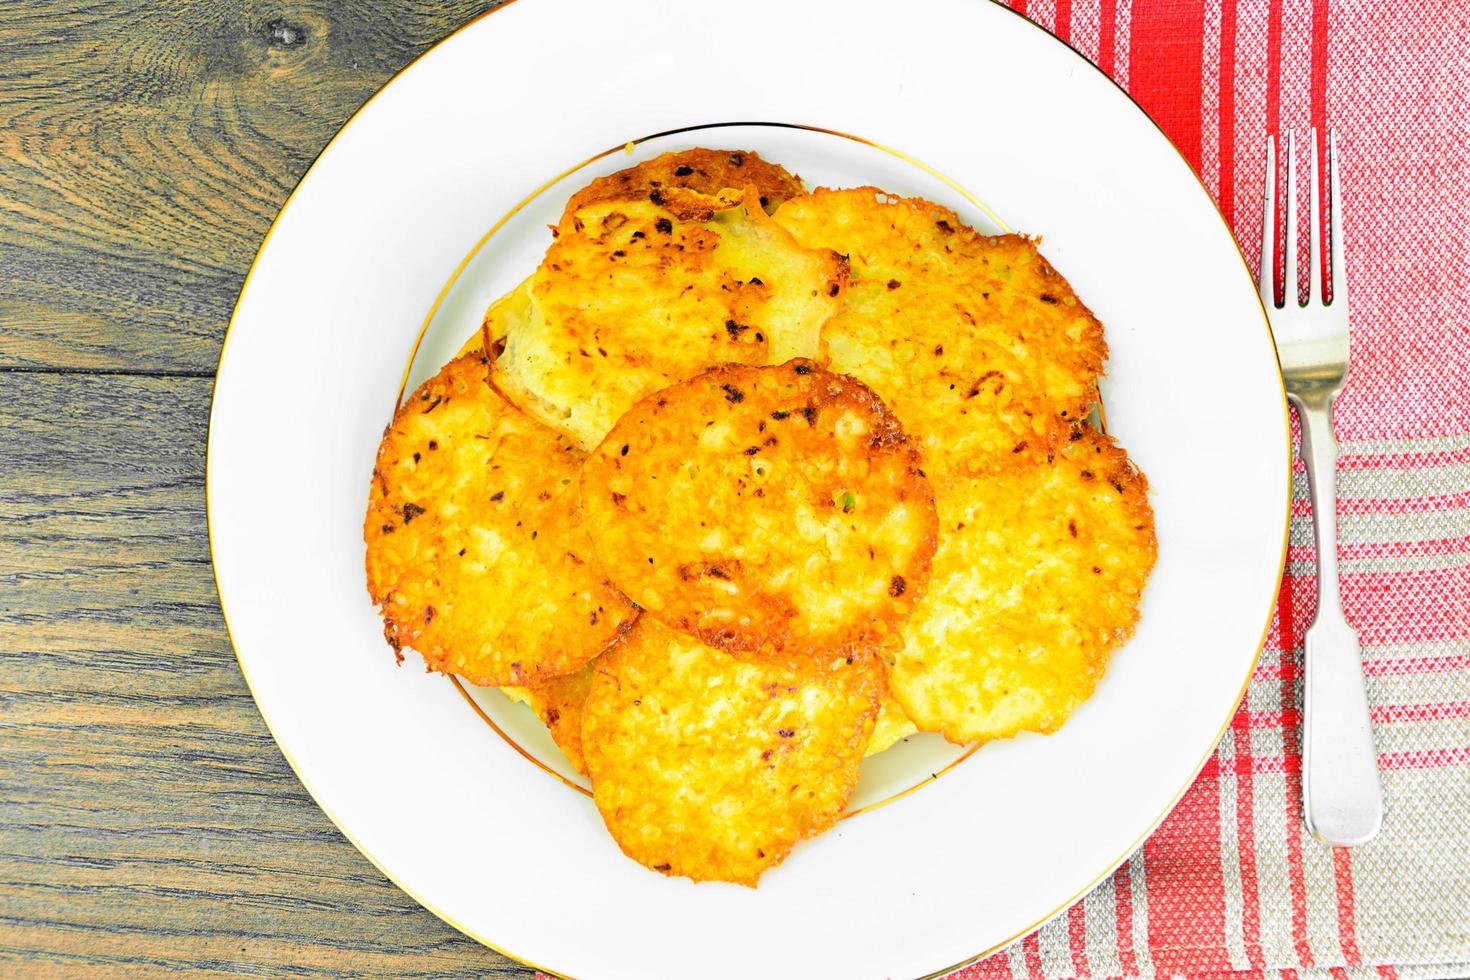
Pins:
x,y
746,482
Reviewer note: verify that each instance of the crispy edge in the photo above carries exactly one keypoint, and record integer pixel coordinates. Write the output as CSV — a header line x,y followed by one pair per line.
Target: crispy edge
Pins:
x,y
708,172
891,727
489,336
558,702
398,632
378,489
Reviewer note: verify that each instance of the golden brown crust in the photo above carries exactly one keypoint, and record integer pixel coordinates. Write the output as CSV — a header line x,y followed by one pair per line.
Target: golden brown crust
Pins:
x,y
558,702
765,510
974,341
1036,582
711,768
703,171
631,298
476,553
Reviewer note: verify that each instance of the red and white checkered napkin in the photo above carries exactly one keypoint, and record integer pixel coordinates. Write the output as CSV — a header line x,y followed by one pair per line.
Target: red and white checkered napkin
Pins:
x,y
1231,884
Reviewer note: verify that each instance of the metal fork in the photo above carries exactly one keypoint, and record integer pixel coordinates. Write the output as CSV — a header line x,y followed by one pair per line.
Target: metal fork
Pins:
x,y
1341,798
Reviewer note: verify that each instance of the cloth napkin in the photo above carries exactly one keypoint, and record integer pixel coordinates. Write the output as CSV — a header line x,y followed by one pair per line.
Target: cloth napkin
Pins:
x,y
1231,883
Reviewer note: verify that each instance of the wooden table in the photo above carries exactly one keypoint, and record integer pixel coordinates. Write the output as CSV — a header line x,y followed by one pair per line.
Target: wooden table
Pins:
x,y
147,819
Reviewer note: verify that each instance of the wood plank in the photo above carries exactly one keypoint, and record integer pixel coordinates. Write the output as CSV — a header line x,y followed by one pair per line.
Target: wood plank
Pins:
x,y
145,148
147,819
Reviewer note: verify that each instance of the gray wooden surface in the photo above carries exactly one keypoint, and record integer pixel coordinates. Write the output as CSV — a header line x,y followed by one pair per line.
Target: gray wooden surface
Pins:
x,y
147,820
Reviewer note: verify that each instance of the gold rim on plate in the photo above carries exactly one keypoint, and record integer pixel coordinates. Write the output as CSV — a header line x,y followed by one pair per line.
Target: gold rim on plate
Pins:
x,y
466,930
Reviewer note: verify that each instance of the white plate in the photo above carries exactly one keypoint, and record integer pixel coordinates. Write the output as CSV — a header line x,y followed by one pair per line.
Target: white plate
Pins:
x,y
360,255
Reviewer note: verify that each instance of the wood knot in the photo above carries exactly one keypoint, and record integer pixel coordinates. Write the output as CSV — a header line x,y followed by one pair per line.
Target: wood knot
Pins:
x,y
281,33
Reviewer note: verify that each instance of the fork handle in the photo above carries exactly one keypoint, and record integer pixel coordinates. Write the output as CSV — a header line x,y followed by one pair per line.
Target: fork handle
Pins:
x,y
1342,800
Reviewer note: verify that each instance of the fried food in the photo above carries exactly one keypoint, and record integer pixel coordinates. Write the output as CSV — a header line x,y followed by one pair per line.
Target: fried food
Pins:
x,y
558,702
633,296
712,768
702,171
476,553
831,443
1037,580
764,510
510,308
892,726
975,342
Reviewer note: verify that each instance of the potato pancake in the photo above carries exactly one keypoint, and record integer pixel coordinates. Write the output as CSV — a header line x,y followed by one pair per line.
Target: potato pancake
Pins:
x,y
558,702
1036,581
513,306
772,509
476,552
974,341
703,171
891,727
712,768
700,170
632,297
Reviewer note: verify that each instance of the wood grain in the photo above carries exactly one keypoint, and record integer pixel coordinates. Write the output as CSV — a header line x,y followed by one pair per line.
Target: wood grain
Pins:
x,y
147,820
145,146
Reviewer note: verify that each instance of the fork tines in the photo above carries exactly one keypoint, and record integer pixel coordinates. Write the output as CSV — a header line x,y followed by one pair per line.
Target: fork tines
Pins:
x,y
1333,281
